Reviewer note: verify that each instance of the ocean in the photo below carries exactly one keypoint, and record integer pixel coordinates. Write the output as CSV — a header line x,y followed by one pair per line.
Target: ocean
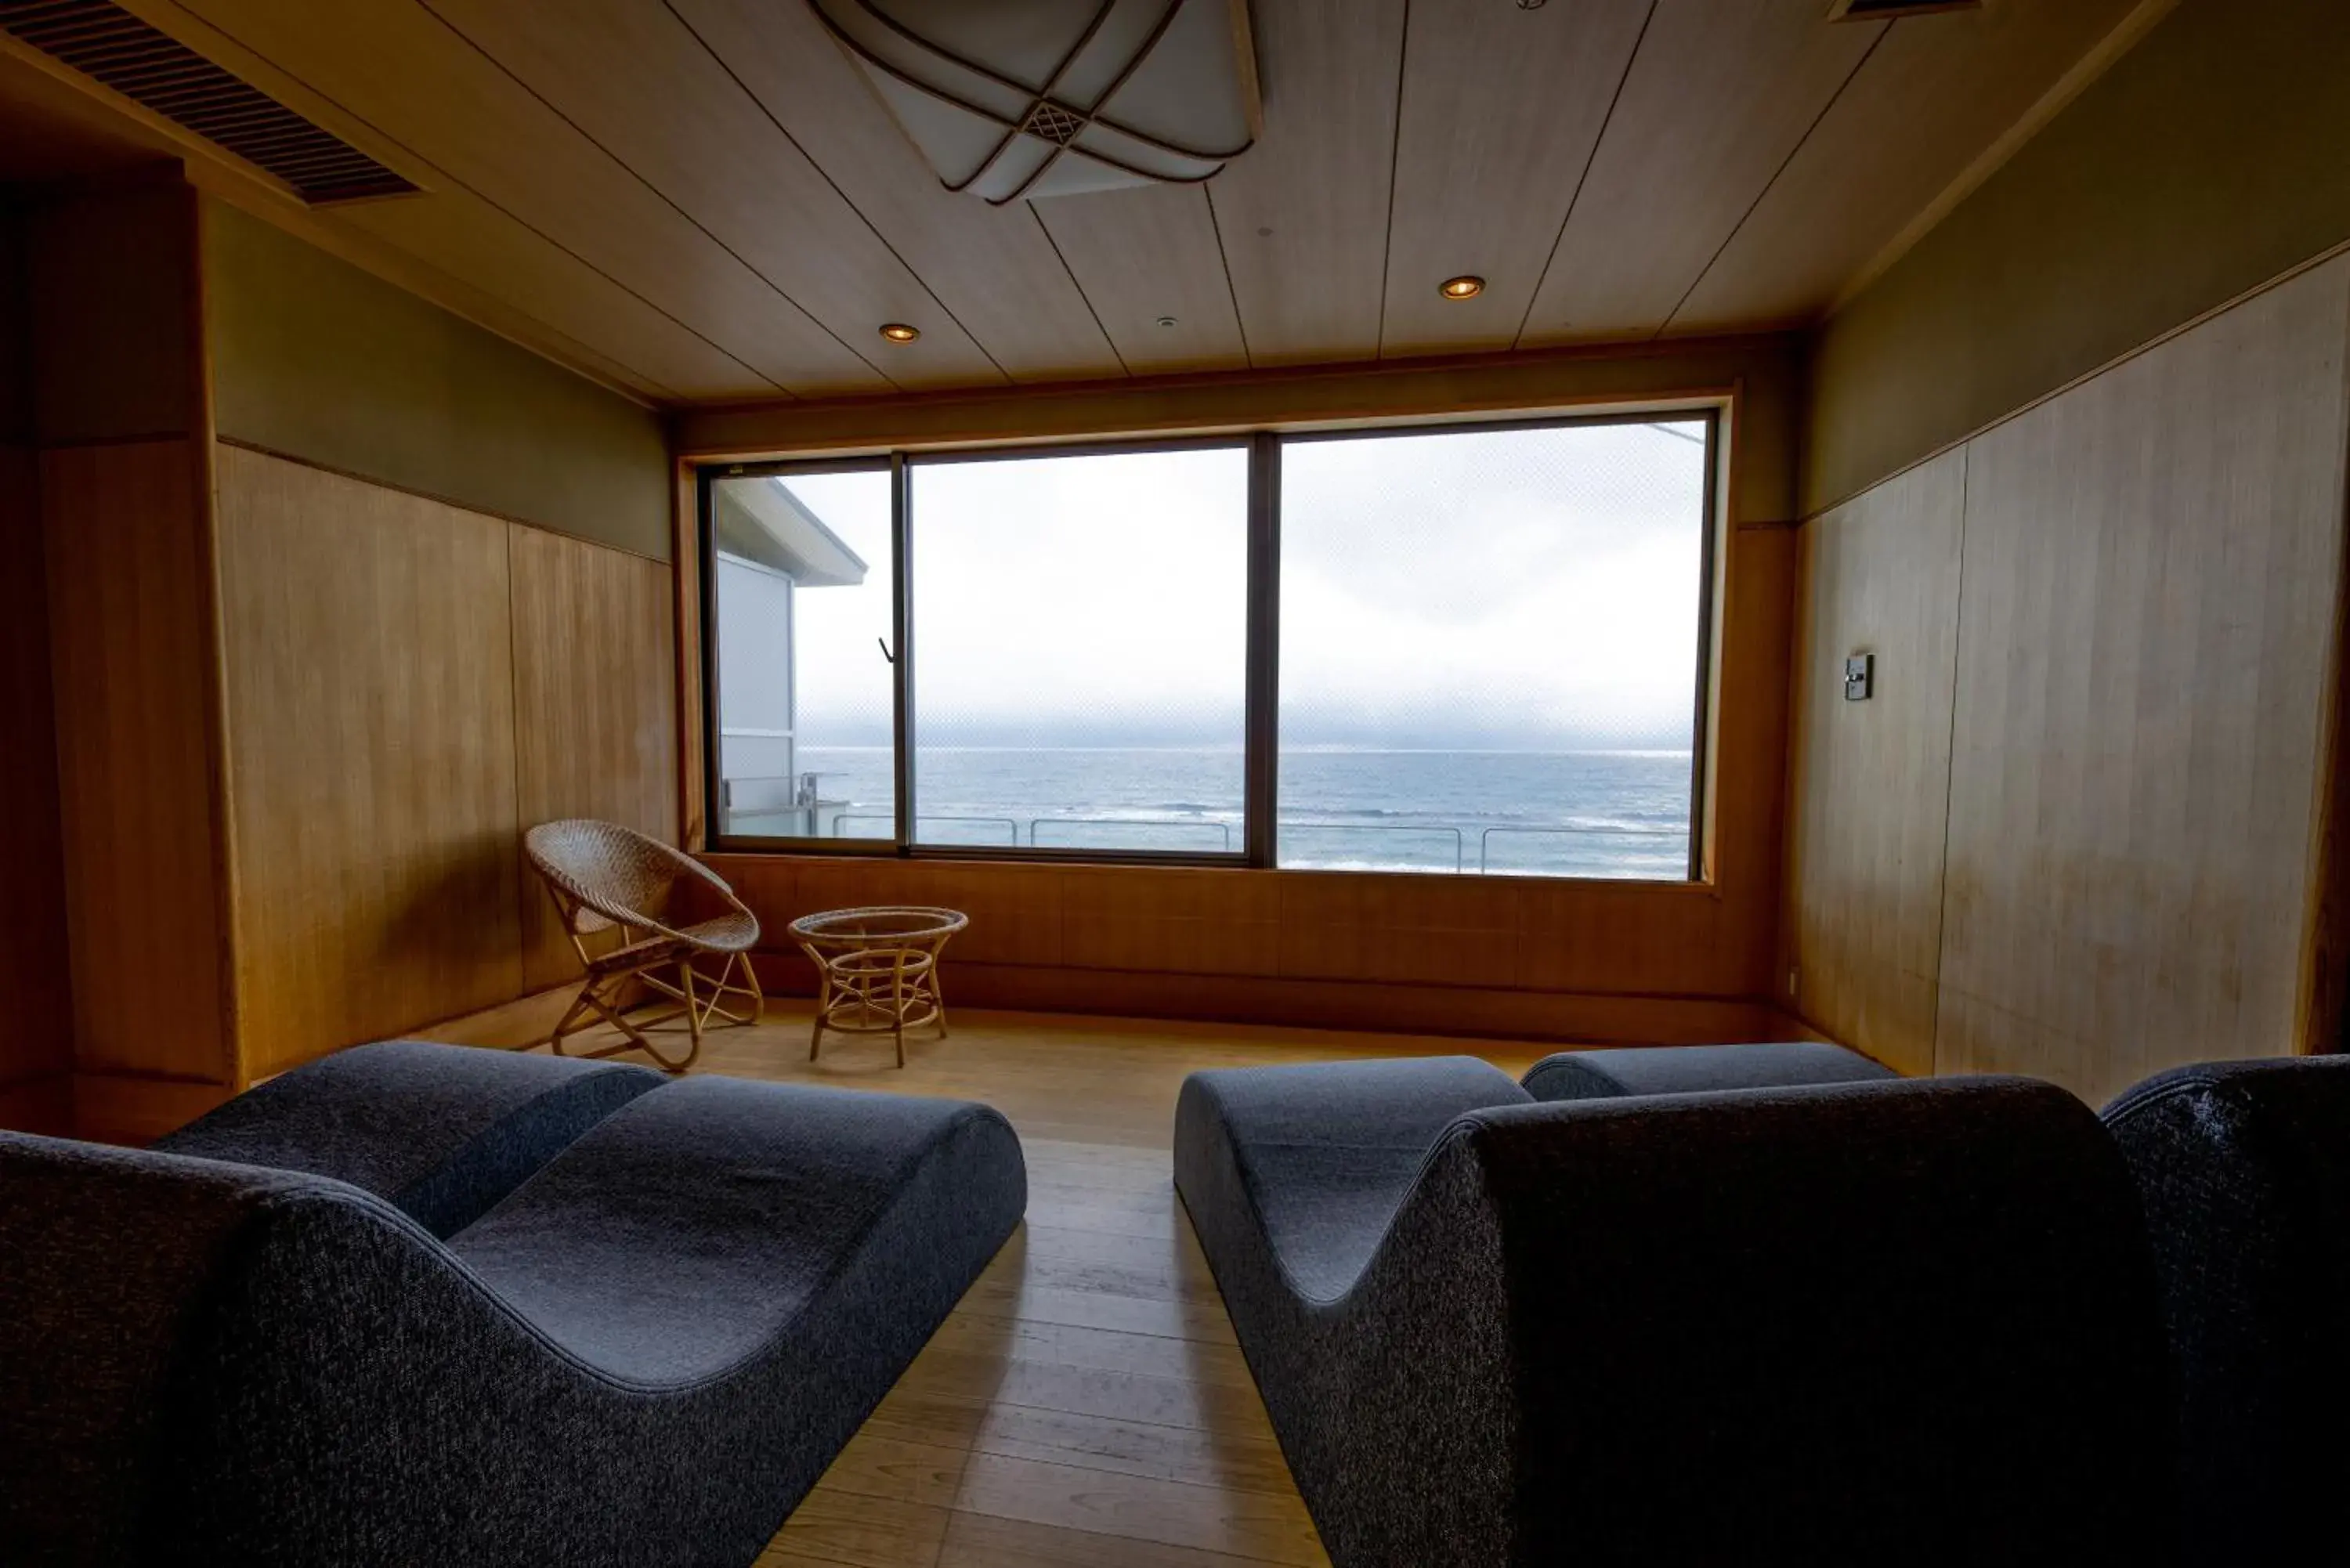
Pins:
x,y
1606,813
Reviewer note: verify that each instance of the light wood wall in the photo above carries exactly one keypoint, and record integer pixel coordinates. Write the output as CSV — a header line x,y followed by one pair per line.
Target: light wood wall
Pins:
x,y
1871,799
132,651
2136,700
371,740
122,414
410,685
596,732
36,1050
281,727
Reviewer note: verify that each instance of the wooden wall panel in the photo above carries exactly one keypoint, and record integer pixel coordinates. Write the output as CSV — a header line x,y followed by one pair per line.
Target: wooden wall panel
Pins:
x,y
2123,812
39,1042
370,718
1475,956
593,709
1871,796
132,651
2145,629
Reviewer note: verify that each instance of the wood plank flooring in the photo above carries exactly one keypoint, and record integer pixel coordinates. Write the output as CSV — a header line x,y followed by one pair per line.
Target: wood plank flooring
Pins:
x,y
1085,1406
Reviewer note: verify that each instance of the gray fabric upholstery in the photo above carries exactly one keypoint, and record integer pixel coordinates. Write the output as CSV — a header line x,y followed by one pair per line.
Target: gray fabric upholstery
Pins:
x,y
441,1132
1697,1069
646,1355
1850,1324
1337,1151
2245,1171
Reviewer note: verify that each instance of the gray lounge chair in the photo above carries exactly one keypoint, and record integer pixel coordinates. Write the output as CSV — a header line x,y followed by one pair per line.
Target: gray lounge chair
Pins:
x,y
2245,1171
1860,1322
1697,1069
643,1349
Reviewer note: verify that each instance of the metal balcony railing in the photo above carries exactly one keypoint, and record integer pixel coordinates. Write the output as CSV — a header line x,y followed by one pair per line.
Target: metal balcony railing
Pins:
x,y
1040,833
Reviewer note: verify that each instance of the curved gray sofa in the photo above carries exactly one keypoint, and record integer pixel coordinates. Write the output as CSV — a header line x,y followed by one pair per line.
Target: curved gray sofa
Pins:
x,y
441,1132
1833,1325
645,1353
2244,1171
1697,1069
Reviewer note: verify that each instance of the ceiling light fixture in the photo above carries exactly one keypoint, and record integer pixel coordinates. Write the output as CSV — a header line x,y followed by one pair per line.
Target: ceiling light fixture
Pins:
x,y
899,332
1466,287
1023,99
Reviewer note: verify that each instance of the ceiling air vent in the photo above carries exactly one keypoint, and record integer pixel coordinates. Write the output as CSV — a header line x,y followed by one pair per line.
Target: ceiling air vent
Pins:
x,y
1885,10
152,68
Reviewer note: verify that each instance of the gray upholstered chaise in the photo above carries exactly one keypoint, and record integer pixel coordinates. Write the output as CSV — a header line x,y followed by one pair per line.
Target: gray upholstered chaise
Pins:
x,y
439,1132
644,1352
1697,1069
2244,1169
1850,1324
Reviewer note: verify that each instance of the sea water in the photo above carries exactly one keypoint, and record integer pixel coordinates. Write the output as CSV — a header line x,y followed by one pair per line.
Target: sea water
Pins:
x,y
1612,814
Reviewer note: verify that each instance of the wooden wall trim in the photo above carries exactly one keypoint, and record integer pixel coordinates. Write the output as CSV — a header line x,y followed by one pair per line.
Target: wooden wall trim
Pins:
x,y
218,761
1464,1012
135,1111
43,1104
1758,375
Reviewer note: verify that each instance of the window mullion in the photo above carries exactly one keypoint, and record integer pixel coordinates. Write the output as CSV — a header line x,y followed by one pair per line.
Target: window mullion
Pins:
x,y
1262,759
901,614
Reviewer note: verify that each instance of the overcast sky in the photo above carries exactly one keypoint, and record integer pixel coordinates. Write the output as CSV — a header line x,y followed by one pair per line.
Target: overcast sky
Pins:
x,y
1524,590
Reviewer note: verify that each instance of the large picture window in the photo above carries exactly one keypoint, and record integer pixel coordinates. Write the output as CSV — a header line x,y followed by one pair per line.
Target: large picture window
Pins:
x,y
1450,649
1080,650
1489,649
802,693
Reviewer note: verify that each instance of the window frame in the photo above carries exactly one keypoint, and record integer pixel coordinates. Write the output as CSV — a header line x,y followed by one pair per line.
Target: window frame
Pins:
x,y
1260,849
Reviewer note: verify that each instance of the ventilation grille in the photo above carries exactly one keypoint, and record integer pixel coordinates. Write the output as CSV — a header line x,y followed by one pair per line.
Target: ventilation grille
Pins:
x,y
152,68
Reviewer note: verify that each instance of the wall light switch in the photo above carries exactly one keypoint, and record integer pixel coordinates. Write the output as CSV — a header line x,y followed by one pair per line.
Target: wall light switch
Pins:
x,y
1859,677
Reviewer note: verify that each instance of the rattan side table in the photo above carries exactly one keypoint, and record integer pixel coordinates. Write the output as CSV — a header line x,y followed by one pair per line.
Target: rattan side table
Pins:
x,y
878,970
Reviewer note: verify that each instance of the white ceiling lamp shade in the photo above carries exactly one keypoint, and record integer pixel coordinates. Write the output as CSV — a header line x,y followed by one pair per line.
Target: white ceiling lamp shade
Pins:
x,y
1029,98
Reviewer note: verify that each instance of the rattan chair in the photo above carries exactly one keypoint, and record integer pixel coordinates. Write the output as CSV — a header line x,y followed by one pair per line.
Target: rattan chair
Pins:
x,y
603,877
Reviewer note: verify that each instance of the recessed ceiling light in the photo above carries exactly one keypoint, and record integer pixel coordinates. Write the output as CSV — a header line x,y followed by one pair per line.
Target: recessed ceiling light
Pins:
x,y
1166,321
899,332
1465,287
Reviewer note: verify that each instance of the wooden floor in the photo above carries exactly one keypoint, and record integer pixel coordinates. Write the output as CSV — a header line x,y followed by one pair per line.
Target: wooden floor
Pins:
x,y
1085,1406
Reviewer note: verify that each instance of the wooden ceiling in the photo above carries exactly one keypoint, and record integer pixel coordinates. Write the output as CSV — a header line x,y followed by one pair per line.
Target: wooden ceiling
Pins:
x,y
701,202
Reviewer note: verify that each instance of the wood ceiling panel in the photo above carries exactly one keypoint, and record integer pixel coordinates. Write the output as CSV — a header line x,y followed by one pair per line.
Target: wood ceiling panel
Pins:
x,y
1502,108
1303,214
991,267
460,235
1936,92
400,70
1721,92
638,82
1140,255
